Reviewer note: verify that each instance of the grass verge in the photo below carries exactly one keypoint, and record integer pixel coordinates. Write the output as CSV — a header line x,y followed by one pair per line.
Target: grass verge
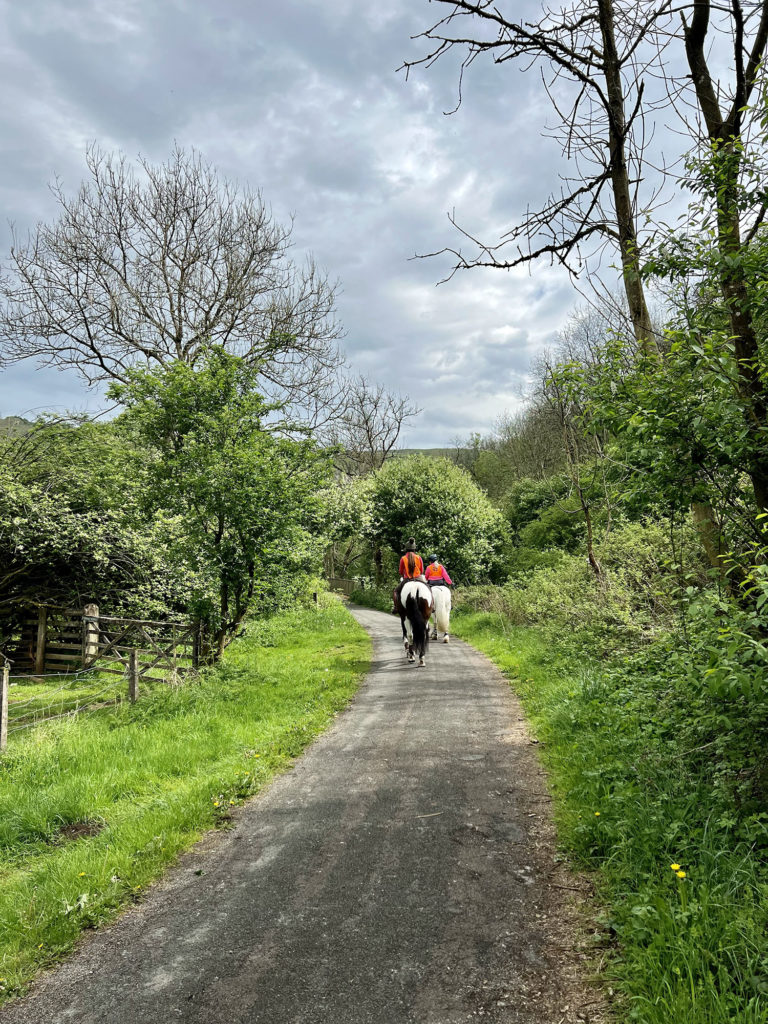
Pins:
x,y
684,879
94,808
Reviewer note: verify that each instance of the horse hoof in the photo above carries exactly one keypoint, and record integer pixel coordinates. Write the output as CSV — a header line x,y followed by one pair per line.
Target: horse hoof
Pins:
x,y
445,639
422,663
433,636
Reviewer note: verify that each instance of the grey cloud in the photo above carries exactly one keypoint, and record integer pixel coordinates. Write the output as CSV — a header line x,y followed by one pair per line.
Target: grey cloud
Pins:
x,y
302,100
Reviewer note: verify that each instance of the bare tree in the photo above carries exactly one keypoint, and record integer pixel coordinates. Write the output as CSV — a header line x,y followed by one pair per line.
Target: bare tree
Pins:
x,y
367,431
154,263
593,76
370,425
595,58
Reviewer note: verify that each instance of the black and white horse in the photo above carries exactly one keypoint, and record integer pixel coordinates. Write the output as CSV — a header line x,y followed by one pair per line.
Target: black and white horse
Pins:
x,y
416,607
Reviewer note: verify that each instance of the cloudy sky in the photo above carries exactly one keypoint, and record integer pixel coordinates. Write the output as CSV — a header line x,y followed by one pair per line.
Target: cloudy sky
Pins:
x,y
302,100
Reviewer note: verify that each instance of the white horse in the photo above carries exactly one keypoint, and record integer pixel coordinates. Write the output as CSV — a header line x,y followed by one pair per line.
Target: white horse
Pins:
x,y
442,620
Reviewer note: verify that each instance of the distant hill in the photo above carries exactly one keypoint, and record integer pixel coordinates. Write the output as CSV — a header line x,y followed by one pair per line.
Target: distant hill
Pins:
x,y
432,453
12,426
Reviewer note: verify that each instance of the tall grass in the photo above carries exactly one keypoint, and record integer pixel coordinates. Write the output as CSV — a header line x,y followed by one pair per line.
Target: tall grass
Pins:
x,y
92,809
635,794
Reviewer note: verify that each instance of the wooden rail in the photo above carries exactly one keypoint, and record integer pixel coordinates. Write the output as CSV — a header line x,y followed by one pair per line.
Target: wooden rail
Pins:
x,y
59,639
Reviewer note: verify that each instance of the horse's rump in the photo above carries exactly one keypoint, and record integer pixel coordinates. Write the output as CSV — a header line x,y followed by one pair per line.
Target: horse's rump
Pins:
x,y
441,597
419,591
417,606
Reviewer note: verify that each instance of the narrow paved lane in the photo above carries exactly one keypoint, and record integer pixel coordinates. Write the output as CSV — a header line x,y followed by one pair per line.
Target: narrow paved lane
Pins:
x,y
400,872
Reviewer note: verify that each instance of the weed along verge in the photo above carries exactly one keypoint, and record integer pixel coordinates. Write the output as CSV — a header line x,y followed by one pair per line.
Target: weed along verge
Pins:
x,y
644,805
92,809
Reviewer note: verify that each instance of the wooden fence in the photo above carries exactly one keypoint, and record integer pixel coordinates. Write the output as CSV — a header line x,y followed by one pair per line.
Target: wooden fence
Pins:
x,y
65,641
5,674
344,586
59,639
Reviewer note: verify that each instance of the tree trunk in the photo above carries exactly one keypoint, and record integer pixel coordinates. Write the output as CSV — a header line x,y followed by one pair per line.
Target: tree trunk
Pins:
x,y
724,134
622,195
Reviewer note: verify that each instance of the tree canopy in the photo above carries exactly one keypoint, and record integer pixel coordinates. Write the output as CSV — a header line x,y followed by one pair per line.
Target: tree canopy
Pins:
x,y
438,503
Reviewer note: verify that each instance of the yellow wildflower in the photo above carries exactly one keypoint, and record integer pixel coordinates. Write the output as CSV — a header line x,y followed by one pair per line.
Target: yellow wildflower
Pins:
x,y
675,867
680,874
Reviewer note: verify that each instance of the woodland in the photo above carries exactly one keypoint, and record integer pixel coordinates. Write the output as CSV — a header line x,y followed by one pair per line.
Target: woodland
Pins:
x,y
608,542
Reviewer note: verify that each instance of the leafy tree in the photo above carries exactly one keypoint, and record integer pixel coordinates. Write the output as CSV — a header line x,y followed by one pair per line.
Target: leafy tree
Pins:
x,y
437,503
245,495
527,499
345,515
72,530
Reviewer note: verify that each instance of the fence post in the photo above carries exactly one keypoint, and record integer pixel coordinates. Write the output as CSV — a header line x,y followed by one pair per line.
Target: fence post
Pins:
x,y
196,645
42,626
90,633
4,683
133,675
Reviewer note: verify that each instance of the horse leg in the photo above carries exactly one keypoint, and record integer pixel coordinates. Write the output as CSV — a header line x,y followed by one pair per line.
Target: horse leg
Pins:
x,y
425,612
407,637
442,613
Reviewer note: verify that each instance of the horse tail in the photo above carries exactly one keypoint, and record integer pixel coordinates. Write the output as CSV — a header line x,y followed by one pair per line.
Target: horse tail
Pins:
x,y
416,619
442,596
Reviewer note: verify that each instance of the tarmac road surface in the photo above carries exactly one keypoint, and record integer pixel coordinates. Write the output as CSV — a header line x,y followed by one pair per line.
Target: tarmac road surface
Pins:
x,y
400,873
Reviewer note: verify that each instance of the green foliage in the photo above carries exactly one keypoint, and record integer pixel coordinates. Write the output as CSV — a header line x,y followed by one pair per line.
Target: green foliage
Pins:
x,y
633,601
245,496
679,427
373,597
559,526
653,765
437,503
71,529
185,504
526,499
344,509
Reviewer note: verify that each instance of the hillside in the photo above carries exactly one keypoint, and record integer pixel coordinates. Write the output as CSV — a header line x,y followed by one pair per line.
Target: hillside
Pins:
x,y
14,425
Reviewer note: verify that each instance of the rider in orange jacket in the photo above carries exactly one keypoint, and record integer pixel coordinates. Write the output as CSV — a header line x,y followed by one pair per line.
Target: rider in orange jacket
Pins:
x,y
411,568
436,574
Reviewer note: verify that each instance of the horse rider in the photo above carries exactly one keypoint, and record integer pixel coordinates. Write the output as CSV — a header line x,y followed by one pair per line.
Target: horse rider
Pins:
x,y
411,568
436,574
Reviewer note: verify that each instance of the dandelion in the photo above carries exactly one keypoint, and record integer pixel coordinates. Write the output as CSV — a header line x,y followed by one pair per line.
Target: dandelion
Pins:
x,y
215,803
597,814
680,874
675,867
81,875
